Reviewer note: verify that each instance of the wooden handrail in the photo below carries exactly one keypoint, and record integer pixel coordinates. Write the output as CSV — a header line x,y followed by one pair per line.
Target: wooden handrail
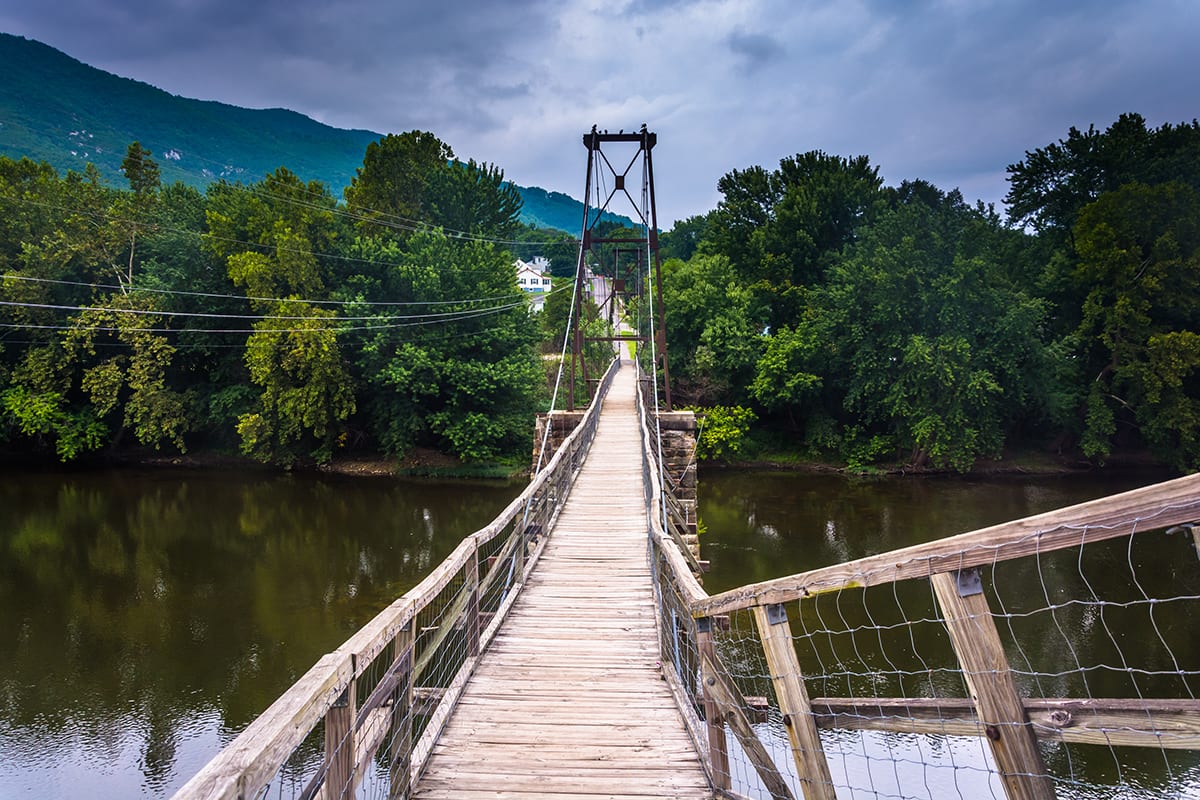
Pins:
x,y
1162,505
1144,722
683,564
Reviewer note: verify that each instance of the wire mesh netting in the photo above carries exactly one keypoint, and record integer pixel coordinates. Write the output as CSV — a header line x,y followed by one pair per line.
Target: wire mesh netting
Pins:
x,y
1096,637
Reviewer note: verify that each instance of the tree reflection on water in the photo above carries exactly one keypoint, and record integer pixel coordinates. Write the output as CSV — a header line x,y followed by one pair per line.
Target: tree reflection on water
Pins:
x,y
148,617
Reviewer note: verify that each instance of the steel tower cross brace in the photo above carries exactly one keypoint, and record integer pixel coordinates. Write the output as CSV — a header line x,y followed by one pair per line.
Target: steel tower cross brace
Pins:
x,y
599,167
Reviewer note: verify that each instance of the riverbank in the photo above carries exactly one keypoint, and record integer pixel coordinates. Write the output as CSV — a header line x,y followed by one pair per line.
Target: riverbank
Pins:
x,y
420,463
1031,463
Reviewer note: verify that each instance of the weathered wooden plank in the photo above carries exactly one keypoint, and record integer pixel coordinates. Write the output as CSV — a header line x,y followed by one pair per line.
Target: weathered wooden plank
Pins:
x,y
611,690
500,794
714,719
1171,724
576,666
540,760
1159,506
578,717
997,702
727,705
401,719
646,783
339,746
809,755
549,694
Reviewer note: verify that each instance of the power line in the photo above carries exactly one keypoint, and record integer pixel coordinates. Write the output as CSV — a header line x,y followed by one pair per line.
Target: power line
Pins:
x,y
253,246
442,337
208,315
316,329
114,287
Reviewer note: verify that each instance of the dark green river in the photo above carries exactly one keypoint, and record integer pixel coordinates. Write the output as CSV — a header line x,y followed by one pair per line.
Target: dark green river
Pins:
x,y
147,617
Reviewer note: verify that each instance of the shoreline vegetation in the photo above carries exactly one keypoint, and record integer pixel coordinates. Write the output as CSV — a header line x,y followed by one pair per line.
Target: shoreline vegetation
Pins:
x,y
430,463
817,318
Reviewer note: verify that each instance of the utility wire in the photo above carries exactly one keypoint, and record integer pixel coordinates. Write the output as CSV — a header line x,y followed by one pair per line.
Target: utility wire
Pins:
x,y
208,315
429,319
316,329
439,337
180,292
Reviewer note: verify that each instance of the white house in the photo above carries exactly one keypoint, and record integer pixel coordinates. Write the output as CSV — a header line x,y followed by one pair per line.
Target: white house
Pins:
x,y
532,277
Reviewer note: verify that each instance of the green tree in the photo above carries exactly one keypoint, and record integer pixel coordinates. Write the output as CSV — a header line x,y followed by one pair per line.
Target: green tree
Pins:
x,y
130,381
714,329
684,238
1139,263
413,179
461,373
723,431
294,355
140,170
782,230
916,344
306,391
391,186
35,404
109,370
1052,184
789,375
475,199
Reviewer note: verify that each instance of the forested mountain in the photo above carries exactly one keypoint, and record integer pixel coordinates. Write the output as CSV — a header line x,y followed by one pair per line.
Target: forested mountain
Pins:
x,y
59,110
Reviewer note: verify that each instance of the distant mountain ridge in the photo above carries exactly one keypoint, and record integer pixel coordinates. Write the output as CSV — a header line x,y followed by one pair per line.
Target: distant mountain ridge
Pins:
x,y
56,109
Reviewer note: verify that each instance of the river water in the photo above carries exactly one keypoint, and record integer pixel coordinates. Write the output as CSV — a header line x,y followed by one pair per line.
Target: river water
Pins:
x,y
147,617
1070,622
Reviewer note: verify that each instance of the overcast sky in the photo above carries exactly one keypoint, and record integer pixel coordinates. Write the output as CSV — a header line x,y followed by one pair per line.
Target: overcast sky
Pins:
x,y
949,91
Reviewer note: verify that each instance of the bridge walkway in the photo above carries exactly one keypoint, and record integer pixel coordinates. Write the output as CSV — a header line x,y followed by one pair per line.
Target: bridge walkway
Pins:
x,y
569,700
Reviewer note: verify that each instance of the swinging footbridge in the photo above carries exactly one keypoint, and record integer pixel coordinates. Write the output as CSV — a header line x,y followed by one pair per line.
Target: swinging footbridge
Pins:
x,y
568,650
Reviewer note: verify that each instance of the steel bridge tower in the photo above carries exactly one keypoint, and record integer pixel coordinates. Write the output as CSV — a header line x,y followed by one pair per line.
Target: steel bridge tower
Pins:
x,y
606,185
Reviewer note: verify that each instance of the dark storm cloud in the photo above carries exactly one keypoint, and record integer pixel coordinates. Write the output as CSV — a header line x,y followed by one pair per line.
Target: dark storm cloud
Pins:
x,y
754,49
947,90
340,57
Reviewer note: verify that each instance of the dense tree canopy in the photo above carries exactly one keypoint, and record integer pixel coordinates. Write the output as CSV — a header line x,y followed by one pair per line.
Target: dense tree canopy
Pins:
x,y
850,320
267,316
782,230
1052,184
413,180
900,324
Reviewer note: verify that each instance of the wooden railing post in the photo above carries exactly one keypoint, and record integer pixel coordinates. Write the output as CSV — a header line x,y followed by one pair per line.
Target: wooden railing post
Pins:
x,y
472,586
729,705
401,744
811,766
714,720
989,679
339,744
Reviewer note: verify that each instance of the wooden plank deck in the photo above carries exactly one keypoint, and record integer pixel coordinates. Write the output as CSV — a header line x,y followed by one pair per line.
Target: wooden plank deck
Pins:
x,y
568,702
